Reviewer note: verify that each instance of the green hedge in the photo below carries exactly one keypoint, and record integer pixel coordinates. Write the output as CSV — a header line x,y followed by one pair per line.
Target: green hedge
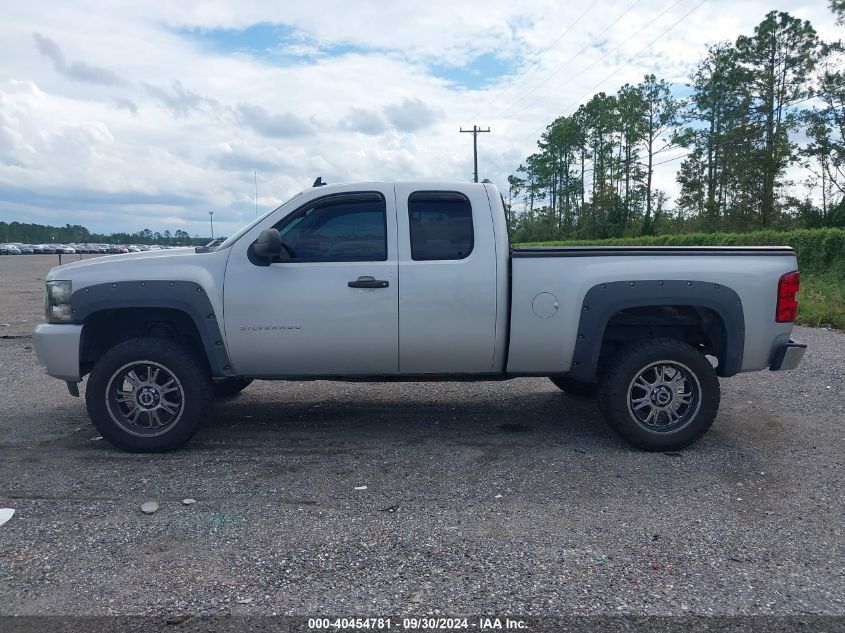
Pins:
x,y
819,250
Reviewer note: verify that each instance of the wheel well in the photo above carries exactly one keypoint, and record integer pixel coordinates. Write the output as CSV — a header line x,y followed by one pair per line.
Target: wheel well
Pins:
x,y
107,328
702,328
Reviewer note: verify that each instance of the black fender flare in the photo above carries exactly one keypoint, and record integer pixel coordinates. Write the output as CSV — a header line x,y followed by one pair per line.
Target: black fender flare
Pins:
x,y
602,301
184,296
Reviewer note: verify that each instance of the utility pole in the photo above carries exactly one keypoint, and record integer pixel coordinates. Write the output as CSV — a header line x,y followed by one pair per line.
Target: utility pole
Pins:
x,y
475,131
211,219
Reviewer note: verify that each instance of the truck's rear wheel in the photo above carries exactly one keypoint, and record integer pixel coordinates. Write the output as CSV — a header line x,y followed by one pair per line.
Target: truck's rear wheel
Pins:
x,y
660,394
148,395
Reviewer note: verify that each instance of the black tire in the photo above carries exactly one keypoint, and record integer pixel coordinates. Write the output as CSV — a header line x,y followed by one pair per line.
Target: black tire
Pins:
x,y
692,394
575,388
156,381
230,387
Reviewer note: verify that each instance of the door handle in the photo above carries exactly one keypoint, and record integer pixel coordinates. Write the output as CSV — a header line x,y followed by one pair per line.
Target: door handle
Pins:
x,y
368,282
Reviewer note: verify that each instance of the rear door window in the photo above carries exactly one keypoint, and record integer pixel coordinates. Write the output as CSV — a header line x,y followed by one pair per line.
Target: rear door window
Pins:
x,y
440,225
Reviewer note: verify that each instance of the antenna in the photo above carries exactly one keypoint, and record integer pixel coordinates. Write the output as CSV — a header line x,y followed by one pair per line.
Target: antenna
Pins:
x,y
319,182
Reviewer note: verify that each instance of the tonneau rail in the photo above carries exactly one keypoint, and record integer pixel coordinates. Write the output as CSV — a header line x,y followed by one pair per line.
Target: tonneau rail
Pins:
x,y
604,251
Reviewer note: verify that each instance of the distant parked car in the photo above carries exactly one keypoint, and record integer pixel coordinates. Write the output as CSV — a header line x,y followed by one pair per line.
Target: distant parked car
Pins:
x,y
26,249
64,249
9,249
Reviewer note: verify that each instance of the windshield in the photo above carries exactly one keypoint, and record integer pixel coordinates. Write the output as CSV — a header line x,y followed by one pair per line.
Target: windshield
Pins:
x,y
238,234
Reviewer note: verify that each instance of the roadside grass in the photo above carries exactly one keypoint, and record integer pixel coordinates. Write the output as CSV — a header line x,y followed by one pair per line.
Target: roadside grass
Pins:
x,y
821,259
821,301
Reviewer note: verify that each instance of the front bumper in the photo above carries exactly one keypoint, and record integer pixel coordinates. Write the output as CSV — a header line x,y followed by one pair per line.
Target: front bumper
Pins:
x,y
57,348
788,356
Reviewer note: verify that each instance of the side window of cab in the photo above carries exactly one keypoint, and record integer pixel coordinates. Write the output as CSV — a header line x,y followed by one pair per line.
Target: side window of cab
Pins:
x,y
342,228
440,225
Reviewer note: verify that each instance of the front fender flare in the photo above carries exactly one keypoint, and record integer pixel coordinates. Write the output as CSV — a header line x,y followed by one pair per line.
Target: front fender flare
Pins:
x,y
184,296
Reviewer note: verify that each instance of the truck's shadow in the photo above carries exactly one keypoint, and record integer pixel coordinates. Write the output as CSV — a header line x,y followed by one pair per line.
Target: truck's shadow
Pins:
x,y
521,417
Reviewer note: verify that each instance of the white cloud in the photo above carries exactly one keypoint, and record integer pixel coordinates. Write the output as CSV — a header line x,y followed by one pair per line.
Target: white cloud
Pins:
x,y
126,104
274,125
411,115
179,100
364,121
131,124
78,71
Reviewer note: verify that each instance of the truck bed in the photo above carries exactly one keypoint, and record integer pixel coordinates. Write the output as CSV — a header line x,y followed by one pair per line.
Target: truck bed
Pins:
x,y
550,285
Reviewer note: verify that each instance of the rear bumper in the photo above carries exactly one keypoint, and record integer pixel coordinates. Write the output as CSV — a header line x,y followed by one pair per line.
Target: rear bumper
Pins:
x,y
57,348
788,356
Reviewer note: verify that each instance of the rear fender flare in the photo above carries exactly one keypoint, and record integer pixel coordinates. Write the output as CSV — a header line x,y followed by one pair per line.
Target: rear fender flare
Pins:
x,y
602,301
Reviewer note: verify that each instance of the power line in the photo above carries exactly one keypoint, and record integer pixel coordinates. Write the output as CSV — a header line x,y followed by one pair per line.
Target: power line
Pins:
x,y
580,52
729,141
649,45
618,68
725,143
569,28
610,52
754,132
625,63
510,87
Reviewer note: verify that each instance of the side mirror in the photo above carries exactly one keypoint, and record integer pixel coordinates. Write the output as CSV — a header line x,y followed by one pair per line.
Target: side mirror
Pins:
x,y
266,248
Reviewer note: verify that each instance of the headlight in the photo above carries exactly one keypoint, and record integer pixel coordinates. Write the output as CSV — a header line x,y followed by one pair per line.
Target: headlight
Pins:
x,y
57,301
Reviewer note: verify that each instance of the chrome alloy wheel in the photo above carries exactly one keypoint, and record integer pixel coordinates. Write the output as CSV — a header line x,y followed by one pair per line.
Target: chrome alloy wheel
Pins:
x,y
664,397
145,398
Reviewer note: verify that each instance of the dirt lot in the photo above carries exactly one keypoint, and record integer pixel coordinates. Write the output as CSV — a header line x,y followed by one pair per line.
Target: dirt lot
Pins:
x,y
480,498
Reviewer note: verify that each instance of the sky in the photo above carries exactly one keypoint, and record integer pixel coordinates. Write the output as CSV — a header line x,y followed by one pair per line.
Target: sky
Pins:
x,y
121,116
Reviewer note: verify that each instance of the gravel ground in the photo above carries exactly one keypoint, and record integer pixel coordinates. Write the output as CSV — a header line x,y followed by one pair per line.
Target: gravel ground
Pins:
x,y
480,498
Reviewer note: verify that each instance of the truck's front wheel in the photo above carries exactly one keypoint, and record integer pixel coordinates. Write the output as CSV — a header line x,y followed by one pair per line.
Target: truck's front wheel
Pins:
x,y
660,394
148,395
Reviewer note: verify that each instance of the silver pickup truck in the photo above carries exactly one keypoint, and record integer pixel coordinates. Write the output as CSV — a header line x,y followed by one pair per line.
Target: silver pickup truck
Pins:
x,y
414,281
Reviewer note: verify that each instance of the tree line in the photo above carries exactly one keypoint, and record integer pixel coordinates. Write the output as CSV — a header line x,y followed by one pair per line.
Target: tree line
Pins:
x,y
76,234
770,100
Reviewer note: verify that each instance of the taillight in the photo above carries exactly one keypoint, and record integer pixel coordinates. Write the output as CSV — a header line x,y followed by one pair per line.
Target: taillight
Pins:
x,y
787,307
